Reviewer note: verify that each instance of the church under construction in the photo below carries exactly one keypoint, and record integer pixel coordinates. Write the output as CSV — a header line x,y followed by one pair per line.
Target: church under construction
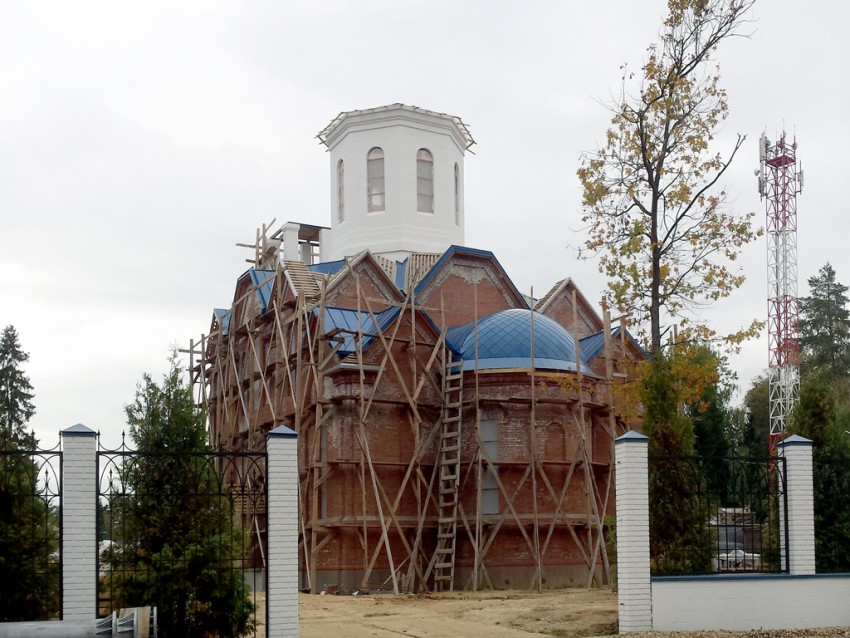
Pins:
x,y
453,433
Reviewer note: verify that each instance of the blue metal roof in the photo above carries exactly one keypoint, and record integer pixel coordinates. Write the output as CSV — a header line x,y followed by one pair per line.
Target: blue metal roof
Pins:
x,y
349,322
504,341
400,271
328,267
222,315
592,345
264,280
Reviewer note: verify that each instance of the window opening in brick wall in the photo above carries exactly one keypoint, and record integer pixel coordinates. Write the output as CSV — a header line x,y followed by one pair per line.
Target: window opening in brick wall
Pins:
x,y
490,441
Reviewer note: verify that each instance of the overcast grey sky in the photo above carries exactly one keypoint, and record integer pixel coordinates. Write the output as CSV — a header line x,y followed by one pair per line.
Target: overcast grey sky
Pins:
x,y
140,141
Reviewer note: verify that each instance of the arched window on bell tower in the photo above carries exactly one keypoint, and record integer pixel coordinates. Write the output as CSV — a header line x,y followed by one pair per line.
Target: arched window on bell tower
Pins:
x,y
424,181
457,195
340,190
375,180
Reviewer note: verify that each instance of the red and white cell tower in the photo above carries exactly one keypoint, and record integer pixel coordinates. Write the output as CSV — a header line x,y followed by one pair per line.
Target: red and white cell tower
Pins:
x,y
780,180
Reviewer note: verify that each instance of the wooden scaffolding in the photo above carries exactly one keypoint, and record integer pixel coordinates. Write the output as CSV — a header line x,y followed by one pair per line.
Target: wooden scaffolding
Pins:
x,y
418,513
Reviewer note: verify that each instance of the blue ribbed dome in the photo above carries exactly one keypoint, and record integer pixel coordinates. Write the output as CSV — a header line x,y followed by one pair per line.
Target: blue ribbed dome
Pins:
x,y
504,341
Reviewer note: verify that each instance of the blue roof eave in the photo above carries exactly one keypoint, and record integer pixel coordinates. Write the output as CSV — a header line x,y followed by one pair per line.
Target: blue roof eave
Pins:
x,y
524,363
349,322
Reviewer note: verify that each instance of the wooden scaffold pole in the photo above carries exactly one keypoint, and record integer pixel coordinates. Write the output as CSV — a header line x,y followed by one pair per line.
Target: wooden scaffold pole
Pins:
x,y
479,486
364,446
538,564
589,479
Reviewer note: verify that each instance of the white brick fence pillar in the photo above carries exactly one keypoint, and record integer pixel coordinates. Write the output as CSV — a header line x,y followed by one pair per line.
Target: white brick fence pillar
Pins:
x,y
282,485
634,595
79,523
800,503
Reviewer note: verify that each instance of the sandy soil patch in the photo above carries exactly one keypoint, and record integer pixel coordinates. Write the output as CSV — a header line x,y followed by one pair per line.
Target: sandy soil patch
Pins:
x,y
573,613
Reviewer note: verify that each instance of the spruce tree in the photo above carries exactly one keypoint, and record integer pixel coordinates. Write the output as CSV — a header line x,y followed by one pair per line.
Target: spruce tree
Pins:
x,y
16,406
29,586
823,415
755,436
825,334
711,417
174,532
678,525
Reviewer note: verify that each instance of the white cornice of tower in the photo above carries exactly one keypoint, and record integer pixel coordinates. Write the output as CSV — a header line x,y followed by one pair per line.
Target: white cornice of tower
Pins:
x,y
400,114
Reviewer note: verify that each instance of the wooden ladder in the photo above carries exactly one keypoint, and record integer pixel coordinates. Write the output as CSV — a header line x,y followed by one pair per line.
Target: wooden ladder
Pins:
x,y
449,475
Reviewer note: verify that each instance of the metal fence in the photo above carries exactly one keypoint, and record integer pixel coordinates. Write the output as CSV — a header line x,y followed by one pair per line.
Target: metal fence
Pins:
x,y
185,532
832,513
30,532
715,515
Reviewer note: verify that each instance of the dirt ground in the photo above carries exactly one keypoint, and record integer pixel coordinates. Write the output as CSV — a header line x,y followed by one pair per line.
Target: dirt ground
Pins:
x,y
503,614
571,613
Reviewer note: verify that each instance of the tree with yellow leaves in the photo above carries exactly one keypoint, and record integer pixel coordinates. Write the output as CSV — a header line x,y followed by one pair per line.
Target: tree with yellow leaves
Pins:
x,y
652,198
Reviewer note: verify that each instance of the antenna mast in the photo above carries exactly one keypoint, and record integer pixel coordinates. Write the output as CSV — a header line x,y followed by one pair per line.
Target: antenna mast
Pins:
x,y
780,180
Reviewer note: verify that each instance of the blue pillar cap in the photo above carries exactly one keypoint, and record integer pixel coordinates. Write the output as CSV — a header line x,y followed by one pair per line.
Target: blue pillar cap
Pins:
x,y
283,431
78,430
632,436
795,439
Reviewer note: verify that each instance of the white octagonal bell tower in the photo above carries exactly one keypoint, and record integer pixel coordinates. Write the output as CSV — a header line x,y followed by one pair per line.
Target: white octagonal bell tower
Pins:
x,y
396,182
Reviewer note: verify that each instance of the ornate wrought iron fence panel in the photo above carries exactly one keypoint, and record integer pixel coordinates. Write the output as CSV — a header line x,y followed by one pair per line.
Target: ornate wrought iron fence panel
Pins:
x,y
715,515
185,532
832,513
30,533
